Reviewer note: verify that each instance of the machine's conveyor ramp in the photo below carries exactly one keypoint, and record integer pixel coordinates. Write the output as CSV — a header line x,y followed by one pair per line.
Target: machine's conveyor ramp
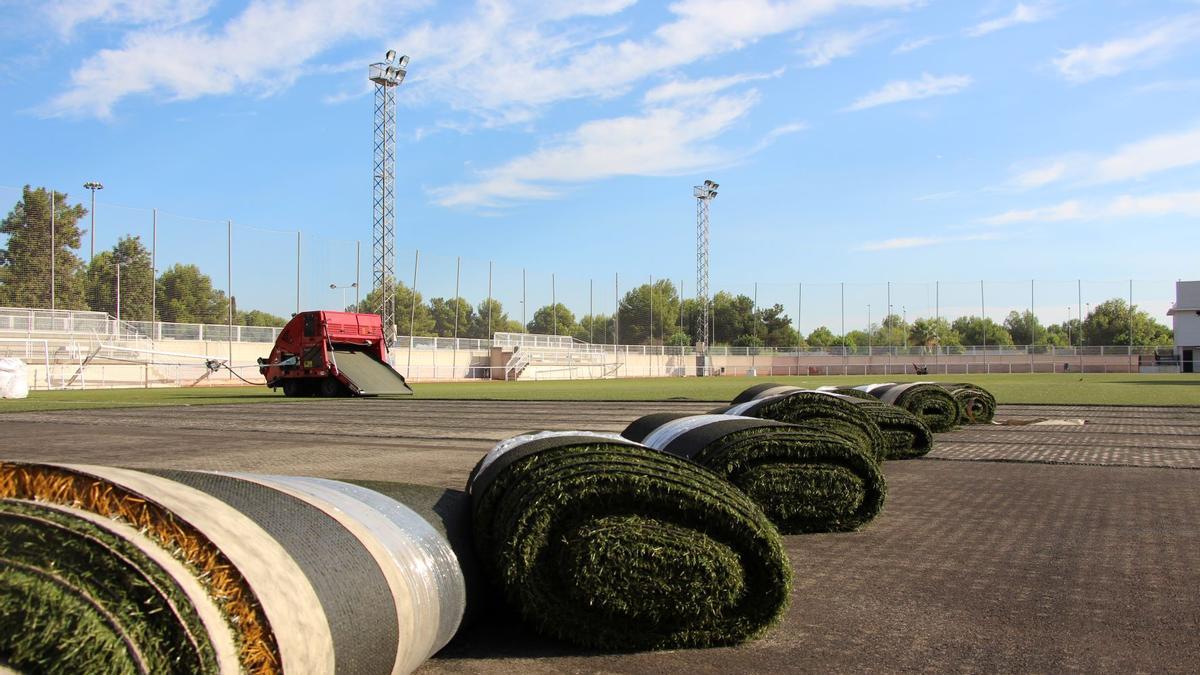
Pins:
x,y
368,376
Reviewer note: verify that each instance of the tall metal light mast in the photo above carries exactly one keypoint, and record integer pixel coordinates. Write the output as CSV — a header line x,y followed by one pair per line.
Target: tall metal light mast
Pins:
x,y
386,75
704,194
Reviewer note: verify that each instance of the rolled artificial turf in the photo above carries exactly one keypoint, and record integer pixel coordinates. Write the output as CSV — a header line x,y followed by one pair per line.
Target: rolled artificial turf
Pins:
x,y
833,411
115,570
977,404
927,400
806,478
905,436
606,543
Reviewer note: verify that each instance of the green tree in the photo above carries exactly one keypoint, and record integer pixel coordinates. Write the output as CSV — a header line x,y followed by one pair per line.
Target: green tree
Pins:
x,y
553,320
777,328
732,316
748,341
974,330
137,280
443,312
186,295
891,331
822,337
643,302
259,318
418,323
25,258
856,338
1025,328
1109,322
931,333
597,329
489,319
679,339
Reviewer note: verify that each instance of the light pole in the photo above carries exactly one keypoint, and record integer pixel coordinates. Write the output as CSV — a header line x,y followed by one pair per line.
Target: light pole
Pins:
x,y
93,186
704,194
344,287
119,263
904,325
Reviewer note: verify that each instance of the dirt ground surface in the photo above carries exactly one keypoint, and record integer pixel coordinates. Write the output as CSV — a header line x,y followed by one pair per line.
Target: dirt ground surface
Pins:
x,y
1008,548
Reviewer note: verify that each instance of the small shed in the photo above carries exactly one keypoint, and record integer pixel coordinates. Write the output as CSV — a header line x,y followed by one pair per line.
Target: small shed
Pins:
x,y
1186,316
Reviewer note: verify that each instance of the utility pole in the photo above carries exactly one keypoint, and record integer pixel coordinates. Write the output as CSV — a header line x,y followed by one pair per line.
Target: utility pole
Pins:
x,y
386,75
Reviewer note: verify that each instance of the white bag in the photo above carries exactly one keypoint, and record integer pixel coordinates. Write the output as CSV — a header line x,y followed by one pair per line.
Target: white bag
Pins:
x,y
14,379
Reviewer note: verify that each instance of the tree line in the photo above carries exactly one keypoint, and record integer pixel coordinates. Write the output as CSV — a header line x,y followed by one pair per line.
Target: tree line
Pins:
x,y
647,314
180,294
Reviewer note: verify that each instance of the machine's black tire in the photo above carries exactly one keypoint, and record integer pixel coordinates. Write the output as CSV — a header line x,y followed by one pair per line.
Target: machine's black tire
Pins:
x,y
293,388
329,388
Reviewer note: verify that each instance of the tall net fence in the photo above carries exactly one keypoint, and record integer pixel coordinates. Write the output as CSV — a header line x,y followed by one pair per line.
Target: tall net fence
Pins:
x,y
173,276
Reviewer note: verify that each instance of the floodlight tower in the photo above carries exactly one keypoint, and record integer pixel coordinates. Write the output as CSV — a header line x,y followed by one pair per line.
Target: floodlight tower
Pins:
x,y
386,75
704,194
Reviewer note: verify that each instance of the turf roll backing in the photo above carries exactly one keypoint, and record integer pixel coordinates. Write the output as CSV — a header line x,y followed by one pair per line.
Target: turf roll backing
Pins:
x,y
904,434
806,478
978,405
603,542
116,570
831,410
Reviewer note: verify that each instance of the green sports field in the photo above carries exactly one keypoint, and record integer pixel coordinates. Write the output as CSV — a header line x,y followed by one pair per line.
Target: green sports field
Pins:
x,y
1038,388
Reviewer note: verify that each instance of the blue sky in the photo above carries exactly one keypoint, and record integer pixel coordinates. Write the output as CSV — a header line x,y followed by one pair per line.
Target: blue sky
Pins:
x,y
868,141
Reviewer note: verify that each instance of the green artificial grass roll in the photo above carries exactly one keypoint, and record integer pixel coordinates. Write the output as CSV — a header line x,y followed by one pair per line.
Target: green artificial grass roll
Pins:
x,y
904,434
927,400
805,477
831,410
978,405
606,543
105,569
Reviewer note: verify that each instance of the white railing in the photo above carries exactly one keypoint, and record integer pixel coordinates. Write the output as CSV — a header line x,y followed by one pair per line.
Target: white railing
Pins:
x,y
15,321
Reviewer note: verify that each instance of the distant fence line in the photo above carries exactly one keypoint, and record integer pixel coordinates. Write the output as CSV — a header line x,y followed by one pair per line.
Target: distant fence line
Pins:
x,y
41,323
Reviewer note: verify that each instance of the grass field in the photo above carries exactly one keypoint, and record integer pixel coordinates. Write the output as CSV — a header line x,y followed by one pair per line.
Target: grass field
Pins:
x,y
1038,388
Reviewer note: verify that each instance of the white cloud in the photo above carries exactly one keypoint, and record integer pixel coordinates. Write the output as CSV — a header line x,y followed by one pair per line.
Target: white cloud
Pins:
x,y
824,48
262,49
1152,155
1069,210
1149,45
661,141
677,89
1040,176
66,15
913,45
917,242
543,62
1121,206
1133,161
909,90
1022,13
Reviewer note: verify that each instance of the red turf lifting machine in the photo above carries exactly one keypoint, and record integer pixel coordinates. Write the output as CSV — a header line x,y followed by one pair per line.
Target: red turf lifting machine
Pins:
x,y
332,354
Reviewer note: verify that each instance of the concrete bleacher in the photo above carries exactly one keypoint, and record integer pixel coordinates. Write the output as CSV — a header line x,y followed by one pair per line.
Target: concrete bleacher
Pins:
x,y
548,357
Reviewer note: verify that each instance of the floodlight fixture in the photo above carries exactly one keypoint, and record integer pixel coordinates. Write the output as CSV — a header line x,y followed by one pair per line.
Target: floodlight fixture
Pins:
x,y
390,55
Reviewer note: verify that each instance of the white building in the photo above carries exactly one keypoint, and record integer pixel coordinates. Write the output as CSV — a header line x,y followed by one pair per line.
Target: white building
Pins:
x,y
1186,315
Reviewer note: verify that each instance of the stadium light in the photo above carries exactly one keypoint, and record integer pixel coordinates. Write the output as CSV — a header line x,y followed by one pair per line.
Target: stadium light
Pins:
x,y
93,186
344,287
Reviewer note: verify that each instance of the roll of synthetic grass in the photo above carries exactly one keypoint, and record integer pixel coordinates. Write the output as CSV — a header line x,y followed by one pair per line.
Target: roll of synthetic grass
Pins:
x,y
927,400
977,404
904,434
833,411
603,542
115,570
806,478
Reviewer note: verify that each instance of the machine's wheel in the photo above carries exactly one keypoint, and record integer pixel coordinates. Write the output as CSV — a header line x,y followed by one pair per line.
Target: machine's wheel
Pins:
x,y
293,387
330,388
